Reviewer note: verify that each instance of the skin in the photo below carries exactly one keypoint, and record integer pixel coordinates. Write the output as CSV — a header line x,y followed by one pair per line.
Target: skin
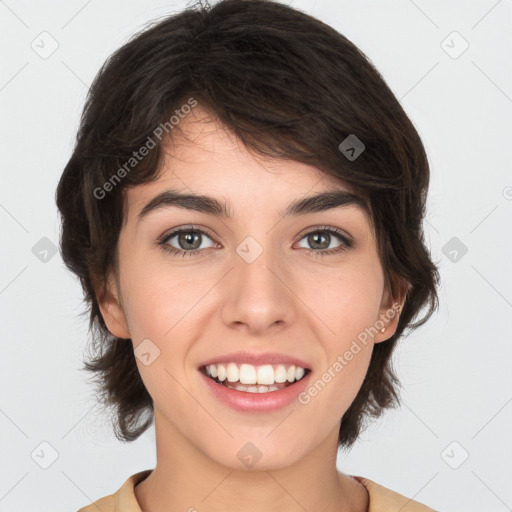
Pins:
x,y
287,300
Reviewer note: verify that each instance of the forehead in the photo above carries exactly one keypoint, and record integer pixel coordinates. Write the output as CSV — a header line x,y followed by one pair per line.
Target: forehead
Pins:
x,y
203,157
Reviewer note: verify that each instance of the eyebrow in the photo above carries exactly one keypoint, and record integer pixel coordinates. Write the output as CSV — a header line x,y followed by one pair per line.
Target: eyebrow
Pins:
x,y
205,204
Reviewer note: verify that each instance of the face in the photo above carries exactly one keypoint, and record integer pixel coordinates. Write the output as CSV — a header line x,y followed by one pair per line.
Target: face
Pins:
x,y
298,288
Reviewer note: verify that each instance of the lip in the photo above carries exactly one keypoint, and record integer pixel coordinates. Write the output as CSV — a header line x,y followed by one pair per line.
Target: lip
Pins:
x,y
257,359
244,401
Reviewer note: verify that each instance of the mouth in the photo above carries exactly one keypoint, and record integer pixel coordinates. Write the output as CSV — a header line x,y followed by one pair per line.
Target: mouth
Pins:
x,y
248,378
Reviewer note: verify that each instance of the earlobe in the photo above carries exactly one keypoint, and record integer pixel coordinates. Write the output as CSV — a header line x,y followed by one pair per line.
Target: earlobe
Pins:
x,y
389,315
111,308
390,325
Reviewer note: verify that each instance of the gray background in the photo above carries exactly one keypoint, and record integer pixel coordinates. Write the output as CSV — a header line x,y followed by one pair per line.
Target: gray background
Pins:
x,y
455,370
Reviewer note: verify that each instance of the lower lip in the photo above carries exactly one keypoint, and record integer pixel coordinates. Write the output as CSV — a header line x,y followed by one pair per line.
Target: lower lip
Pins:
x,y
244,401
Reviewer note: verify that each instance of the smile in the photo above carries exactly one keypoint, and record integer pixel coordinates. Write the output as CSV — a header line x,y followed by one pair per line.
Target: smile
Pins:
x,y
255,379
255,382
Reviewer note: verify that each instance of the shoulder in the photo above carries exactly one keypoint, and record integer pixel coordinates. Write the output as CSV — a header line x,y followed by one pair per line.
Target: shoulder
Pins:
x,y
123,499
383,499
105,504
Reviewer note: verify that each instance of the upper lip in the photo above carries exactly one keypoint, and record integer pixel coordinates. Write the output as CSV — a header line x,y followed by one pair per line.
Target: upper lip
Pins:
x,y
256,359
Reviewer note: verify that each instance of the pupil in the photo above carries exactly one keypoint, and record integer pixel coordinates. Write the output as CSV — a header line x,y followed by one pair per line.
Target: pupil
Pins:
x,y
315,237
187,238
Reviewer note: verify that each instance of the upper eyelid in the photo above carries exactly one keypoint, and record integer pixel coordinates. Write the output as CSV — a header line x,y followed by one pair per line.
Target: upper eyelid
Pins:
x,y
331,229
176,231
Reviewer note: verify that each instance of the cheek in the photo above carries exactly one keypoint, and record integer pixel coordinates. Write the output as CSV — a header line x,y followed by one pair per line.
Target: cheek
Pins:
x,y
164,305
158,299
347,357
347,300
348,306
158,306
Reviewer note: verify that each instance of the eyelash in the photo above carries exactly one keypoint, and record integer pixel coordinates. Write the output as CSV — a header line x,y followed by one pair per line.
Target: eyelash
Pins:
x,y
346,242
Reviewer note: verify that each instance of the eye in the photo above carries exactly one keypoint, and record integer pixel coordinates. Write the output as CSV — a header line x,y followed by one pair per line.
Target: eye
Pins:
x,y
189,241
321,238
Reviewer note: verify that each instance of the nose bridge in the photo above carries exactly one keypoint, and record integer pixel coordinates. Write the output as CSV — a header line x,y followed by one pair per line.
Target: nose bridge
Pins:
x,y
258,296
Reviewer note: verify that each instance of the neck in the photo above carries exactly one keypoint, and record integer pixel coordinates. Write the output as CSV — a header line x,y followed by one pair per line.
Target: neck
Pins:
x,y
187,479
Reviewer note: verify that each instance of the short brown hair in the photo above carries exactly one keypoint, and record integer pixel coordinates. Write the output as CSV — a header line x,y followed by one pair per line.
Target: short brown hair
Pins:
x,y
288,86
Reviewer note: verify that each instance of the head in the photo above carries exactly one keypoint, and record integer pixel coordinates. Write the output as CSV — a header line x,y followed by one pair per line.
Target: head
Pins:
x,y
247,102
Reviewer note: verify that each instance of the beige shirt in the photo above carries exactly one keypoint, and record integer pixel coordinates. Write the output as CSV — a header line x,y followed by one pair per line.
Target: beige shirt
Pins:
x,y
381,498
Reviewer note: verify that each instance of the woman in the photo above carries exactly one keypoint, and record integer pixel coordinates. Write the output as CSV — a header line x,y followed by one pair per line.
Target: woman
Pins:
x,y
244,209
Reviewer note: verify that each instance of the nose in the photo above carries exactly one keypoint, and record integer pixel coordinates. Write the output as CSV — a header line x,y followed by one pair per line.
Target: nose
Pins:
x,y
258,295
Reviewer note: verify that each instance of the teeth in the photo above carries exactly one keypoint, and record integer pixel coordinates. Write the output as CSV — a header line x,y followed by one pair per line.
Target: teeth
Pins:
x,y
252,389
247,374
265,374
280,375
232,372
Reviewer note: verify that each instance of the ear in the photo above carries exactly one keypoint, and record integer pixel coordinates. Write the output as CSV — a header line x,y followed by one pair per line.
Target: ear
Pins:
x,y
108,297
389,312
